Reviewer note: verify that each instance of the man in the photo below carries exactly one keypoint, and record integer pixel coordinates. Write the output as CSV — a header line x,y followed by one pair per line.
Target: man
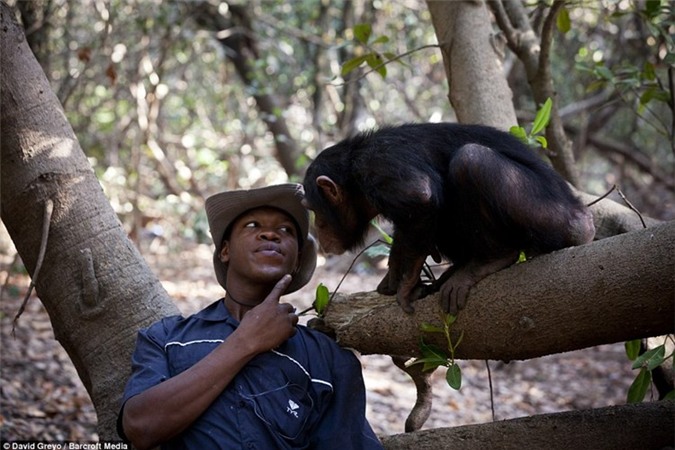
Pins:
x,y
242,373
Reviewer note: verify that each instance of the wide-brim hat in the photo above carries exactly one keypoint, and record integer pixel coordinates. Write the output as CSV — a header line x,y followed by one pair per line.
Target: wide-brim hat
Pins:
x,y
223,208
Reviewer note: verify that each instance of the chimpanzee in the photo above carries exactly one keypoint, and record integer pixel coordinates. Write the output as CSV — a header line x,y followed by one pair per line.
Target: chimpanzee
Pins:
x,y
470,193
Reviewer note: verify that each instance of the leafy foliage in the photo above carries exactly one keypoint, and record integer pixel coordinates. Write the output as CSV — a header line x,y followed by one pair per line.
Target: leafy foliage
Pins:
x,y
375,59
534,138
646,363
434,357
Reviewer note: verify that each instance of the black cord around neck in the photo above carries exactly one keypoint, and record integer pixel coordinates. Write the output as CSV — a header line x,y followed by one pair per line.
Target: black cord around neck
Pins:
x,y
240,303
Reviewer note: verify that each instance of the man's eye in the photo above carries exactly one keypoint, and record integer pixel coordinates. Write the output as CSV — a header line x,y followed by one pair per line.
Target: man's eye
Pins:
x,y
251,224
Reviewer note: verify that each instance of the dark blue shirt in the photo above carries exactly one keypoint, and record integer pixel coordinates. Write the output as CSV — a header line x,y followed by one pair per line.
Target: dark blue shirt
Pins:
x,y
306,394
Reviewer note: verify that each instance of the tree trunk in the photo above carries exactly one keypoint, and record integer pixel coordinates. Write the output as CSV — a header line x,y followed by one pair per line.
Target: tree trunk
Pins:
x,y
93,282
479,92
638,426
614,290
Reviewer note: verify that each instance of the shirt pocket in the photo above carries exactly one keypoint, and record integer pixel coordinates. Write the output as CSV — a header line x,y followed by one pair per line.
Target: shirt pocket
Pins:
x,y
288,410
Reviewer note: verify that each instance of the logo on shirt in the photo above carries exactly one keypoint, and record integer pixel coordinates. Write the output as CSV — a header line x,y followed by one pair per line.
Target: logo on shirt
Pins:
x,y
292,408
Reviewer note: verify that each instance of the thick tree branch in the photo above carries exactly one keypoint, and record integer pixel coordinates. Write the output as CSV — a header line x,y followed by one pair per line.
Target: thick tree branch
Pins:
x,y
643,425
522,39
614,290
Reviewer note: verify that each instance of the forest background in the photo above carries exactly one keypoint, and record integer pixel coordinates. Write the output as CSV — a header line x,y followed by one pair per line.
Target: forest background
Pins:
x,y
173,101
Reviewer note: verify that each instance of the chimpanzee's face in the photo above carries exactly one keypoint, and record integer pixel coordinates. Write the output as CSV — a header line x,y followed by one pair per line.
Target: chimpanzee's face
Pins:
x,y
330,237
338,231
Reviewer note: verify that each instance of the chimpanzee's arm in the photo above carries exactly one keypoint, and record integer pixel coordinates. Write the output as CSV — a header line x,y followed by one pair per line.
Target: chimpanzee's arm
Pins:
x,y
407,197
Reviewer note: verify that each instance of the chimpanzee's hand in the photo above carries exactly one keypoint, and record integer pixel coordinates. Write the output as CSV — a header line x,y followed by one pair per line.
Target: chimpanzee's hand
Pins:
x,y
271,323
454,292
388,286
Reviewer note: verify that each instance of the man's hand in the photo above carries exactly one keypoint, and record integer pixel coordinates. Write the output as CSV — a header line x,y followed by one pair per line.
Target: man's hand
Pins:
x,y
271,323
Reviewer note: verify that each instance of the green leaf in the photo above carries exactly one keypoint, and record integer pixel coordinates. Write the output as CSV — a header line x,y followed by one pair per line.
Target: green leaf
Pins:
x,y
604,73
431,350
652,8
563,21
374,60
431,328
322,298
519,132
669,396
654,93
542,141
632,349
388,239
522,257
638,390
648,72
432,357
651,358
381,40
454,376
658,358
352,64
543,116
362,32
450,319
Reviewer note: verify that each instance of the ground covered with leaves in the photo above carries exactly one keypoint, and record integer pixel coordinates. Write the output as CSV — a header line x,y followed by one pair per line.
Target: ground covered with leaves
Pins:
x,y
41,396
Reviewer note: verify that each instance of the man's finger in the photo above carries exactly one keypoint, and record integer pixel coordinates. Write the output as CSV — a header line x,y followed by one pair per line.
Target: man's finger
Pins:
x,y
279,288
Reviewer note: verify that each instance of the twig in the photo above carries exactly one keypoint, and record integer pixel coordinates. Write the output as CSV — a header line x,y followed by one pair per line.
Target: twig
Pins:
x,y
623,197
492,394
630,205
603,196
396,58
46,221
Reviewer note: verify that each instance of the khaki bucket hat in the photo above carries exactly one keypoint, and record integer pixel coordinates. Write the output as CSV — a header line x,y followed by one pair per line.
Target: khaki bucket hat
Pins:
x,y
223,208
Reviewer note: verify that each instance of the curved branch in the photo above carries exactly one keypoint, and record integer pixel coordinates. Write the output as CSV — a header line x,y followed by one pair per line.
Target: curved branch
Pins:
x,y
504,24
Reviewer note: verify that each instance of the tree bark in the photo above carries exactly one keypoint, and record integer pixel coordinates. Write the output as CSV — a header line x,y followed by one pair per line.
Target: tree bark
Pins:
x,y
636,426
533,50
93,282
479,92
614,290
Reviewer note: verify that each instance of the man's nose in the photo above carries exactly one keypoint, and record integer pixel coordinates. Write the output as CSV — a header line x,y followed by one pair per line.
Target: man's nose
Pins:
x,y
269,235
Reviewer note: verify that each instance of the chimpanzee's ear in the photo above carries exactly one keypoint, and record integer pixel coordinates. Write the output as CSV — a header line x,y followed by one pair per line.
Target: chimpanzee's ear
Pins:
x,y
330,189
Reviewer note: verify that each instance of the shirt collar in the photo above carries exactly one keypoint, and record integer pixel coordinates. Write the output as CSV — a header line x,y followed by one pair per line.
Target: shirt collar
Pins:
x,y
216,312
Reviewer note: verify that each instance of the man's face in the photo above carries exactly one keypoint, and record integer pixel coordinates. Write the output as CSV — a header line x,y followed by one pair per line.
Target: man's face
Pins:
x,y
262,247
